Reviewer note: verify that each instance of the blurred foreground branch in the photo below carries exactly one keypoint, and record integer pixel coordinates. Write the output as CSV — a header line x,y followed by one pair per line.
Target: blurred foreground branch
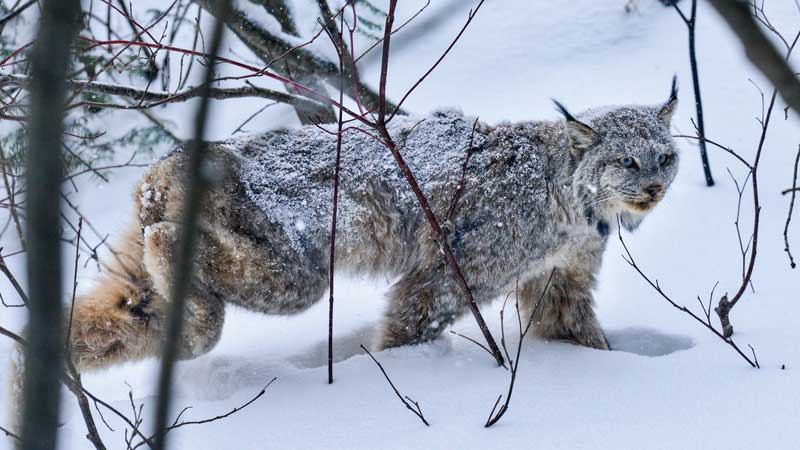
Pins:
x,y
44,354
759,50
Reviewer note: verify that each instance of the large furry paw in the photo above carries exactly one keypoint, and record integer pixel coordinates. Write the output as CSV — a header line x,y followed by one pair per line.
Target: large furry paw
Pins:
x,y
393,335
107,331
597,339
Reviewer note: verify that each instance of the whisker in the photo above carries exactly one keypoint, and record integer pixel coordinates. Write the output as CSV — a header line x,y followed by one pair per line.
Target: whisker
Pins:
x,y
601,200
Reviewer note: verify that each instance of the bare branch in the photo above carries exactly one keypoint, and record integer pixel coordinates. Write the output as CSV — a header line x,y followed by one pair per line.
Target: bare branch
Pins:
x,y
10,16
336,38
198,183
759,50
180,424
407,401
10,434
720,146
793,191
13,336
13,280
386,139
691,23
303,65
83,403
514,362
162,98
6,169
628,257
74,290
486,349
452,211
470,16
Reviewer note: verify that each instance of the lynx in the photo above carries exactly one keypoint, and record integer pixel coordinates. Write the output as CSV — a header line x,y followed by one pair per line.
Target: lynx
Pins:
x,y
539,202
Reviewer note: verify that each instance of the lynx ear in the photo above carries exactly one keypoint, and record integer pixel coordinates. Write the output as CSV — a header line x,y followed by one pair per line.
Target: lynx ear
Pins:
x,y
581,136
665,114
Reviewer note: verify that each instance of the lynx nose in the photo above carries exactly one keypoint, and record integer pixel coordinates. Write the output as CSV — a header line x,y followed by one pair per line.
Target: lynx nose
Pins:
x,y
653,190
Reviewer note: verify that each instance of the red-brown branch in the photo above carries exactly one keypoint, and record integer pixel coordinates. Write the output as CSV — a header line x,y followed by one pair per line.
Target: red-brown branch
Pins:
x,y
301,89
381,126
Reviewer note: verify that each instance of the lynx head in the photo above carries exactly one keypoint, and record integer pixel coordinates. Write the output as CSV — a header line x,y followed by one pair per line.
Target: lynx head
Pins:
x,y
626,158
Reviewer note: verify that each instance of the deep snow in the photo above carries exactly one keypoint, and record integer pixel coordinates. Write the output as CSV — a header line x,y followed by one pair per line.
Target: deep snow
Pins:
x,y
670,385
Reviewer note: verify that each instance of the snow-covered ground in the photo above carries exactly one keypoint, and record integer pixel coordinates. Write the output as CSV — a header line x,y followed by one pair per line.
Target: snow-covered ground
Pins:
x,y
670,385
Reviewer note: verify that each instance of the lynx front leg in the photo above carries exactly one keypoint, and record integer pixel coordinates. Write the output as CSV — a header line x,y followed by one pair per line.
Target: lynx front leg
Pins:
x,y
567,310
421,306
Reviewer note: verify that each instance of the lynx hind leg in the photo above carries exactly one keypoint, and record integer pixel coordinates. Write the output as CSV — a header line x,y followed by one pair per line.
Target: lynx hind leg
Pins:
x,y
113,324
421,306
205,312
566,311
119,319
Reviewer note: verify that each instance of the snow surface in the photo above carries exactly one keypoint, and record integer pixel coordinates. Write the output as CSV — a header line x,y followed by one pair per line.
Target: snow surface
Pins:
x,y
671,384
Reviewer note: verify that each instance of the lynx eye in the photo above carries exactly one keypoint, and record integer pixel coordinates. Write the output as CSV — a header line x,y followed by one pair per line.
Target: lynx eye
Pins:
x,y
627,162
665,159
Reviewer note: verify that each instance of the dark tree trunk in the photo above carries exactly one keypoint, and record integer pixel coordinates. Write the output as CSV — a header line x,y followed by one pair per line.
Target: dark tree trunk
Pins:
x,y
44,352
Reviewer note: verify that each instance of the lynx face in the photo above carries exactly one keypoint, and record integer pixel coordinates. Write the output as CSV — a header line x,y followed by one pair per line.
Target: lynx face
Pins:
x,y
627,158
634,162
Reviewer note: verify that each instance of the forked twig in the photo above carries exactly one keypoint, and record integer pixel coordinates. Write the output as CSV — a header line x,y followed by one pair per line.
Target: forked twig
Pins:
x,y
628,257
514,363
407,401
793,190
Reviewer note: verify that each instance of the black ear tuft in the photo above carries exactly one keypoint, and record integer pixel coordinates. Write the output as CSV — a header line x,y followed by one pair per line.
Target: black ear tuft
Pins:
x,y
581,136
563,110
673,95
668,109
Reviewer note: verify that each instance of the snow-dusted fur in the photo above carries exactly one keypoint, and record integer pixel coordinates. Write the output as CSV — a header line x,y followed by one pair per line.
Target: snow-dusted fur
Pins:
x,y
538,197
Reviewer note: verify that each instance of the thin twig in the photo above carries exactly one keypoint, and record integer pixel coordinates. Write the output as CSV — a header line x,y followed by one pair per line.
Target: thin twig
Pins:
x,y
628,257
725,305
514,363
197,184
406,400
691,22
793,191
180,424
76,387
473,341
12,197
74,290
470,16
718,145
10,434
17,287
340,51
759,49
13,336
73,383
380,41
10,16
381,126
453,210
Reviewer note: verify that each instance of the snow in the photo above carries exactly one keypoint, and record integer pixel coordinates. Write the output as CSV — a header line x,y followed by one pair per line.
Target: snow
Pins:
x,y
289,175
670,384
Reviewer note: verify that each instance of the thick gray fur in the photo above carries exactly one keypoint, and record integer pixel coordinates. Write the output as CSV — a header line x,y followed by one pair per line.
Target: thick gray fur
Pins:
x,y
538,197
